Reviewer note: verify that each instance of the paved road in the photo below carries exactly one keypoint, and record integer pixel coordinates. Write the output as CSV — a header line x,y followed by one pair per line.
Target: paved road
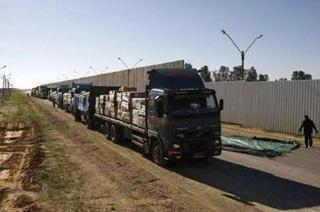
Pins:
x,y
241,182
290,182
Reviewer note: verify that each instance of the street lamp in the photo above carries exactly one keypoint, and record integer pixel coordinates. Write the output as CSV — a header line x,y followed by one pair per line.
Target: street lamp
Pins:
x,y
94,71
136,63
103,70
242,53
128,67
123,62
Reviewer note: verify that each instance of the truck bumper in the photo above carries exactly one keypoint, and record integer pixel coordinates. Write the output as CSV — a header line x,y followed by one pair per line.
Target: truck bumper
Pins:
x,y
195,150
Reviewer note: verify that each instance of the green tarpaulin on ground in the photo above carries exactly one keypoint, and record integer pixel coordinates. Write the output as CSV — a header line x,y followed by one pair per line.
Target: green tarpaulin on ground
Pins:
x,y
258,146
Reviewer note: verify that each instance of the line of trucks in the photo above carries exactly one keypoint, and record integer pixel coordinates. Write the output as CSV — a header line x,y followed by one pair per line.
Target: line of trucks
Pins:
x,y
175,117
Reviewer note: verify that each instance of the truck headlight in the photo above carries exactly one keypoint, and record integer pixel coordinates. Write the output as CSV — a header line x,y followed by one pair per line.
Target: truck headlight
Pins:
x,y
176,146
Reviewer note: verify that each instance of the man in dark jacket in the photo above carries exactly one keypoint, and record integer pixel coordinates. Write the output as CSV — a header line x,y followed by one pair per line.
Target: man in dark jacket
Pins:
x,y
308,127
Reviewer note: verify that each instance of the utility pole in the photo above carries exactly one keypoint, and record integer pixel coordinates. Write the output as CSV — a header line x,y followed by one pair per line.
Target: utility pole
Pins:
x,y
3,82
3,86
242,52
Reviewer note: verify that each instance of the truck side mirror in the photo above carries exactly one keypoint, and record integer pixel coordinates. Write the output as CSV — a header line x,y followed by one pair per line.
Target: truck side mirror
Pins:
x,y
221,104
160,108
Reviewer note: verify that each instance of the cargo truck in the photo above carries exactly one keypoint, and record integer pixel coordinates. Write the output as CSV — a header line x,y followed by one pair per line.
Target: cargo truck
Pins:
x,y
58,95
84,102
181,118
43,92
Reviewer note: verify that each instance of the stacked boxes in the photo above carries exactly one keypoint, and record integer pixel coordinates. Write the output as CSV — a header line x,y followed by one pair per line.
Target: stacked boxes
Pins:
x,y
97,104
100,104
139,111
124,104
111,104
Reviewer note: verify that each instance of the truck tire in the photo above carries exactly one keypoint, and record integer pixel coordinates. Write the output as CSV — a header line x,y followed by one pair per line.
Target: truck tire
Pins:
x,y
115,134
157,154
77,117
106,130
91,123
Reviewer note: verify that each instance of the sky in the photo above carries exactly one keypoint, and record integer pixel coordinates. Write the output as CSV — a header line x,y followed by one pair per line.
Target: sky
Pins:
x,y
44,41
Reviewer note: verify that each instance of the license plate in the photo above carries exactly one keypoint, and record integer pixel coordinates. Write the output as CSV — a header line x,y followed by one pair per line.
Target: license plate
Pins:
x,y
199,155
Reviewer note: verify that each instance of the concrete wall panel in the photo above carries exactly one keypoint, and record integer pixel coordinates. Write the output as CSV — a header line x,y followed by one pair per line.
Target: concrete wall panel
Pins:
x,y
275,106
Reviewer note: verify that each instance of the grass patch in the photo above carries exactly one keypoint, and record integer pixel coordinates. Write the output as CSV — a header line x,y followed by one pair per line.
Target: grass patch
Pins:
x,y
60,180
25,111
59,177
19,109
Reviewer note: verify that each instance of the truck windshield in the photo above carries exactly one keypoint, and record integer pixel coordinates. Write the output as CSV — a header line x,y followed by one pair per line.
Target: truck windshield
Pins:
x,y
191,102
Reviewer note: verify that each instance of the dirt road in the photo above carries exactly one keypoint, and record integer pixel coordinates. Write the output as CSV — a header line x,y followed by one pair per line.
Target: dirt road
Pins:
x,y
114,177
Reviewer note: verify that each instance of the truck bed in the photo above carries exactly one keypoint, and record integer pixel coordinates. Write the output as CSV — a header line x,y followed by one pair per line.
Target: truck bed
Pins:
x,y
120,122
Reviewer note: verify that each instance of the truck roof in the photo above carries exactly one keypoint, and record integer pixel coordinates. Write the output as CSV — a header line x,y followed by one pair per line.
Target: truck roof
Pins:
x,y
175,79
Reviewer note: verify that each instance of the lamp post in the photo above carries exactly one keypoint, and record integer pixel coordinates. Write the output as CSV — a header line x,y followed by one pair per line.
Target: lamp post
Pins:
x,y
242,52
4,80
119,58
103,70
94,71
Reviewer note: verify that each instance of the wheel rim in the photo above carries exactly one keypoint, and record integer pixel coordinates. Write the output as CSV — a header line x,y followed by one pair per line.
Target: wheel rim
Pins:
x,y
106,130
156,154
112,133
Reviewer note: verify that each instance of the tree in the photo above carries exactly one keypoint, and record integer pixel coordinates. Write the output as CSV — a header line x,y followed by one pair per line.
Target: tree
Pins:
x,y
300,75
295,75
205,74
251,75
263,77
237,73
308,77
223,74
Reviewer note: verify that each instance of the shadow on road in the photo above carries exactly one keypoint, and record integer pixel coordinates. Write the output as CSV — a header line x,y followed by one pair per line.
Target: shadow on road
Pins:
x,y
246,185
249,185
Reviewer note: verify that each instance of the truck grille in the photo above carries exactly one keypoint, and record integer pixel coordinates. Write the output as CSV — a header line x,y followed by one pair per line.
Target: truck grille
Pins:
x,y
195,134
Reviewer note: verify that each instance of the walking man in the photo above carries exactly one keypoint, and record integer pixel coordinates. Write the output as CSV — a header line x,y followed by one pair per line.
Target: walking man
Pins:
x,y
308,127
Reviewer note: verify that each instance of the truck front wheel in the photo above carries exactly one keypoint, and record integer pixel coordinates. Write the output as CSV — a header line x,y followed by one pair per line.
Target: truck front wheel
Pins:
x,y
77,117
115,134
157,154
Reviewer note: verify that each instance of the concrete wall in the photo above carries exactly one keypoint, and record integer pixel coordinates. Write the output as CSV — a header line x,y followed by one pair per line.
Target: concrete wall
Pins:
x,y
137,76
275,106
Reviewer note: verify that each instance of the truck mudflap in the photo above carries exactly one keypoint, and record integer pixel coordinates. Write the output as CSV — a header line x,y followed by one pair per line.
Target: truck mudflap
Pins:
x,y
196,150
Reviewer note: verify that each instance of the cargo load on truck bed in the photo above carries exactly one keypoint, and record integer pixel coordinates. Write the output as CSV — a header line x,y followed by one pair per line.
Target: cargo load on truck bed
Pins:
x,y
127,106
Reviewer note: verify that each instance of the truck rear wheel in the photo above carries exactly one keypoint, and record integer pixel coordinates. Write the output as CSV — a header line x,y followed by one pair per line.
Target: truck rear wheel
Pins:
x,y
106,130
157,154
77,117
115,134
91,123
